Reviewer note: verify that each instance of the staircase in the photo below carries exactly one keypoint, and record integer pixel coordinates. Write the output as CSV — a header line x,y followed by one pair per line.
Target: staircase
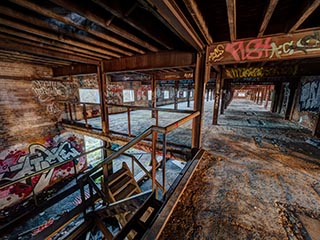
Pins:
x,y
121,184
133,209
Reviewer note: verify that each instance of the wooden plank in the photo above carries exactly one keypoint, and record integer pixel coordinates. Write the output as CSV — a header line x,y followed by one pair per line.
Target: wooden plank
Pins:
x,y
174,76
48,13
281,47
272,5
107,234
199,20
173,14
232,19
305,15
150,62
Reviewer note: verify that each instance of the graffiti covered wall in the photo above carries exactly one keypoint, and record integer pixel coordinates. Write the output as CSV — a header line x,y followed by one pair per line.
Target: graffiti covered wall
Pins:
x,y
310,95
307,106
270,48
17,162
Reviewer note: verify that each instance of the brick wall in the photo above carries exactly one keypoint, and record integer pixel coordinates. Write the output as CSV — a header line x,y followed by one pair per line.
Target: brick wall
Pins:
x,y
23,118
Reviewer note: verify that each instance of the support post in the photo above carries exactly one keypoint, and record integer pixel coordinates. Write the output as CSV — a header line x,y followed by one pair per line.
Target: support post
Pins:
x,y
316,131
217,99
293,90
267,97
176,87
154,95
276,93
188,95
281,97
201,75
102,92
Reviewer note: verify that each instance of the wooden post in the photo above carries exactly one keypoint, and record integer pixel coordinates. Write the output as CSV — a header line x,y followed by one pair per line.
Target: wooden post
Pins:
x,y
188,95
154,95
267,97
211,94
201,75
176,87
223,97
280,100
153,159
129,122
316,131
217,99
293,90
207,90
276,93
102,92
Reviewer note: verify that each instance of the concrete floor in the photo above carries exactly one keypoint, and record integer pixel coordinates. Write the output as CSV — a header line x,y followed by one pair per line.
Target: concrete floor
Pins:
x,y
260,179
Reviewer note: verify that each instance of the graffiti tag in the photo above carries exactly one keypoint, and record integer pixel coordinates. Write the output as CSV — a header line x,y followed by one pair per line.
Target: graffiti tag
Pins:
x,y
310,96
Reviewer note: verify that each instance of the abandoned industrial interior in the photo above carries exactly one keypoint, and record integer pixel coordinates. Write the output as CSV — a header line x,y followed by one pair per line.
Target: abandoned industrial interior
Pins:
x,y
160,119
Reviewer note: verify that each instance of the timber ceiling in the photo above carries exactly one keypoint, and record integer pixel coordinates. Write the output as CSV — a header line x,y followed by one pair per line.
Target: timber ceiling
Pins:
x,y
65,32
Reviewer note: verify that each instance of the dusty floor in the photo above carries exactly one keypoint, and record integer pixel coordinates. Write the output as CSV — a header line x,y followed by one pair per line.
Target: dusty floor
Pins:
x,y
259,179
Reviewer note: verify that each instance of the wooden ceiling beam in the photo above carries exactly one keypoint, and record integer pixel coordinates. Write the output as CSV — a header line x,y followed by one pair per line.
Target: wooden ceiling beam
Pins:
x,y
154,61
41,40
272,5
305,15
170,11
16,46
56,37
135,24
74,69
113,51
198,18
43,11
102,22
49,47
232,19
30,58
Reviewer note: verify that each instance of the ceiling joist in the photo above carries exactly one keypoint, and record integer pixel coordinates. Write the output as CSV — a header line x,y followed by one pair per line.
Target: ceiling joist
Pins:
x,y
232,19
272,5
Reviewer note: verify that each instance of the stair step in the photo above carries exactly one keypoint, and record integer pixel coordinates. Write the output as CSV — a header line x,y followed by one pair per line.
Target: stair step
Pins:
x,y
127,192
117,175
120,184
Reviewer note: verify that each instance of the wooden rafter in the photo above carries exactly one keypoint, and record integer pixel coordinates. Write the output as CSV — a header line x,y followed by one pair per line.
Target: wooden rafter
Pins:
x,y
272,5
42,40
113,51
305,15
198,18
133,23
42,33
107,24
51,14
16,46
232,19
173,14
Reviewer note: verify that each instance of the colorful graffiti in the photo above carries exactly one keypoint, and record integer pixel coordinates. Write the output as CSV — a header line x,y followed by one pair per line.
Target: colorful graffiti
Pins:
x,y
261,71
16,164
114,94
266,48
142,93
310,96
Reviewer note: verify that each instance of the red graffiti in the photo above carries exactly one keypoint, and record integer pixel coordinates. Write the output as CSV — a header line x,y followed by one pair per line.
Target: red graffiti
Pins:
x,y
42,226
254,49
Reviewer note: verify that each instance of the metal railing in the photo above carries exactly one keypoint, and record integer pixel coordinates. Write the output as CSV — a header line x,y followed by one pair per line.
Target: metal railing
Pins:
x,y
101,168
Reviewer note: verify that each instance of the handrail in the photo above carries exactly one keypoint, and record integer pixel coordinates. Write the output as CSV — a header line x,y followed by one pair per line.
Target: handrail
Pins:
x,y
151,108
48,168
140,137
